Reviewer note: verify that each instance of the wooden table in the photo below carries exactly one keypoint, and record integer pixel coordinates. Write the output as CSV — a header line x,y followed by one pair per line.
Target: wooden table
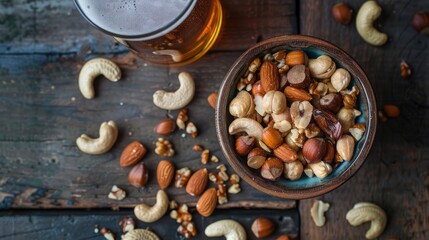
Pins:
x,y
43,45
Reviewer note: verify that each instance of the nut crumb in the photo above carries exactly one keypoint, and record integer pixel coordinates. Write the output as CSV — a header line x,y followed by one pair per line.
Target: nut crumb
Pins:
x,y
205,156
117,193
405,69
214,159
182,118
234,189
197,148
192,129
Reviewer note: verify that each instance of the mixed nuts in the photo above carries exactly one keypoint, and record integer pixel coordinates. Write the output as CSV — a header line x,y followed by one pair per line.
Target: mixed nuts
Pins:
x,y
298,115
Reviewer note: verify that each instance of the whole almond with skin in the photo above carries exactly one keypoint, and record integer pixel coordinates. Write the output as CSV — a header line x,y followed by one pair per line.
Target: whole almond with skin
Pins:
x,y
212,99
165,173
286,153
165,127
295,94
269,76
262,227
132,153
197,183
207,202
329,123
138,175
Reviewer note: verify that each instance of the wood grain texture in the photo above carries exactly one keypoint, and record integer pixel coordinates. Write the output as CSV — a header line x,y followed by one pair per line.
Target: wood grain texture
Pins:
x,y
43,111
395,175
81,225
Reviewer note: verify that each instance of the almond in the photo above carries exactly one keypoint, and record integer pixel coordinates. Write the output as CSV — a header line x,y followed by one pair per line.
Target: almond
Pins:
x,y
197,183
165,127
295,94
132,154
207,202
212,99
286,153
164,173
269,76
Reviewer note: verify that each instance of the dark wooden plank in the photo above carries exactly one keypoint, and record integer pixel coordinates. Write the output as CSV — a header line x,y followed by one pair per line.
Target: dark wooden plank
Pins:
x,y
56,26
395,174
72,225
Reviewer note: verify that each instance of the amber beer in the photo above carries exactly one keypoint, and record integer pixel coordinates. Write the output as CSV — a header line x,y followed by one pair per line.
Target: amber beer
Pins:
x,y
165,32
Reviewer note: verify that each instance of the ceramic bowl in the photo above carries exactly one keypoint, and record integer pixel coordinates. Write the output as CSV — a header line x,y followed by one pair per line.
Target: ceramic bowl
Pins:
x,y
305,187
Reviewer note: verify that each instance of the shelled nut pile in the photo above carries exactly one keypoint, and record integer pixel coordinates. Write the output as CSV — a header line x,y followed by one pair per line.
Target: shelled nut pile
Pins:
x,y
295,115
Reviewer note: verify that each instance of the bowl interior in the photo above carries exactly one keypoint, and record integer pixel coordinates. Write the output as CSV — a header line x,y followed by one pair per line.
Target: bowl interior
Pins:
x,y
304,187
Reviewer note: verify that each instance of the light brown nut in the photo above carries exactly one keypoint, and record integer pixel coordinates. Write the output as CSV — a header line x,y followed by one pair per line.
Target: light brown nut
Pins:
x,y
207,202
296,57
234,189
256,158
340,79
197,148
274,102
181,177
322,67
140,234
262,227
314,150
296,94
318,212
182,118
242,105
342,13
179,98
357,131
132,153
234,178
312,131
293,170
318,88
153,213
301,113
164,148
272,169
164,173
345,147
254,65
347,117
117,193
205,154
222,195
197,183
271,137
286,153
212,99
269,76
165,127
192,129
299,77
244,144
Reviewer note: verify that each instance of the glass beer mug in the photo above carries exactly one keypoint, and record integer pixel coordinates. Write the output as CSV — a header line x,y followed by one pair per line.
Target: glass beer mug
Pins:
x,y
165,32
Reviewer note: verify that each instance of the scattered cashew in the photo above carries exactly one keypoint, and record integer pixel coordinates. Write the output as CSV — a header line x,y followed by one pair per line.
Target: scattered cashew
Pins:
x,y
178,99
153,213
139,234
365,212
94,68
318,212
250,126
368,13
108,134
176,55
230,229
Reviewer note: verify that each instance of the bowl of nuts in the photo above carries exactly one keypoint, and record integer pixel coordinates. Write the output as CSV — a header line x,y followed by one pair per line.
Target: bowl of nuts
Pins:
x,y
296,116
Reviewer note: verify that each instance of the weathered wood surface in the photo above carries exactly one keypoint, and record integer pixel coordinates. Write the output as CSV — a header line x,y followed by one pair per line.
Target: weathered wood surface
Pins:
x,y
81,225
43,45
395,175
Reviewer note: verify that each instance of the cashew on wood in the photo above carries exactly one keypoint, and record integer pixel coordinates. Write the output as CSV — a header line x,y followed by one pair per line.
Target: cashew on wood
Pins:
x,y
176,55
365,212
140,234
230,229
94,68
318,212
153,213
178,99
247,125
368,13
108,134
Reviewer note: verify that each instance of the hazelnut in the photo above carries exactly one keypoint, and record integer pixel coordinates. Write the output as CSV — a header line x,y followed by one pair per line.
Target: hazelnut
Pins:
x,y
331,102
330,152
301,113
312,131
345,147
242,105
293,170
271,137
272,168
165,127
286,153
296,57
329,123
347,116
274,102
391,111
321,67
320,169
299,76
405,69
283,126
342,13
282,116
318,88
138,175
295,139
314,150
357,131
244,144
262,227
256,158
340,79
258,89
420,22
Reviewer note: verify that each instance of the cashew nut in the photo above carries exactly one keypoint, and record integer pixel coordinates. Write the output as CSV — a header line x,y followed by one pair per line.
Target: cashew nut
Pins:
x,y
365,212
94,68
250,126
139,234
318,212
230,229
321,67
178,99
176,55
368,13
153,213
108,134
